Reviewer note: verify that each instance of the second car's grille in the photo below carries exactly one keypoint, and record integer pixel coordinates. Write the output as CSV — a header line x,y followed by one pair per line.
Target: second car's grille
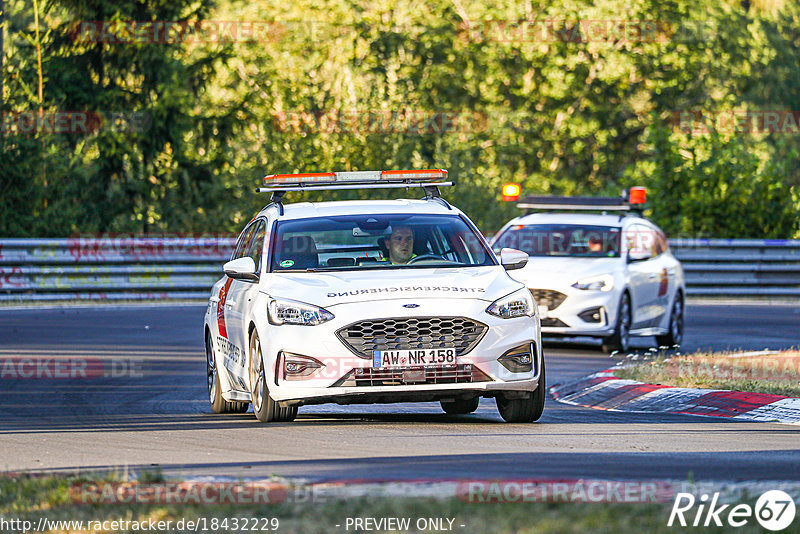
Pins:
x,y
548,297
459,333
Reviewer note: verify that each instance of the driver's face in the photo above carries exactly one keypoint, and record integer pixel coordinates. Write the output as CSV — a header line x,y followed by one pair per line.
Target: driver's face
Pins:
x,y
401,245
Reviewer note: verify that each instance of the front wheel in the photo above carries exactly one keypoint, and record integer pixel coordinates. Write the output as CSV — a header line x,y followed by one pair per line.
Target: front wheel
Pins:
x,y
620,340
265,408
527,409
674,336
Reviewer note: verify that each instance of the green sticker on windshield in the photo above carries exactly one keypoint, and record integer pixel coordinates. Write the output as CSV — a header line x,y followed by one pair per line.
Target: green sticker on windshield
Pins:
x,y
287,263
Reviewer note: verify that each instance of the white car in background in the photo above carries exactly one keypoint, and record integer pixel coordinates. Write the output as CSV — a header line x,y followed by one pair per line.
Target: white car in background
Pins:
x,y
609,276
370,302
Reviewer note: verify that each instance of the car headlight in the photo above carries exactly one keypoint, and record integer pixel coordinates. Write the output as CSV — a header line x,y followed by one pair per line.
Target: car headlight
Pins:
x,y
603,282
285,311
517,304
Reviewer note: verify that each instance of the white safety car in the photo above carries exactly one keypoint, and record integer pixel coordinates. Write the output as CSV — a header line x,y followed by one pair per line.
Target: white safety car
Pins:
x,y
370,302
604,275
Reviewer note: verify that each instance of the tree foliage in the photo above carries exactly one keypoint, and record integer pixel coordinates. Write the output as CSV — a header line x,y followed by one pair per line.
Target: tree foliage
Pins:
x,y
553,95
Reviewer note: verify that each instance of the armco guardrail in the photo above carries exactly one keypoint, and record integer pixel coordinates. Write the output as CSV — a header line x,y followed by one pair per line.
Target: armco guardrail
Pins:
x,y
115,268
144,268
740,267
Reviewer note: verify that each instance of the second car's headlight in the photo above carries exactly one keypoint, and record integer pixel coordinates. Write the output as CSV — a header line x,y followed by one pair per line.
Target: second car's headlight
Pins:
x,y
517,304
285,311
603,282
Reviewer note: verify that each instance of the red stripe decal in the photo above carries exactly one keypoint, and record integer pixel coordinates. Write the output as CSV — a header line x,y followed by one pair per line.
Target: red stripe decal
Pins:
x,y
223,296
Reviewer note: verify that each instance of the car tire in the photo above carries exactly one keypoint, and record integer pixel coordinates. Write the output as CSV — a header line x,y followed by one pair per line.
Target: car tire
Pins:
x,y
218,404
620,340
527,409
674,337
265,408
461,406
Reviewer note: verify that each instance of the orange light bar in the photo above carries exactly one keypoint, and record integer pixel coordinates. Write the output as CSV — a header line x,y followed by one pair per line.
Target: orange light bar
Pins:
x,y
637,195
511,192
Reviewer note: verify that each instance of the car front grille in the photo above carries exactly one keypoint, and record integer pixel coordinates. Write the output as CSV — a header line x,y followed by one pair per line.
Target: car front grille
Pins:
x,y
408,333
550,321
448,374
548,297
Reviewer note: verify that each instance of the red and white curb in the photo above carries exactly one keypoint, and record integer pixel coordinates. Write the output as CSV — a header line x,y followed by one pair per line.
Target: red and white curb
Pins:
x,y
604,391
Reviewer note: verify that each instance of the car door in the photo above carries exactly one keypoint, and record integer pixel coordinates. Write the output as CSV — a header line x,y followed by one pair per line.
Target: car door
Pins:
x,y
642,274
230,316
667,268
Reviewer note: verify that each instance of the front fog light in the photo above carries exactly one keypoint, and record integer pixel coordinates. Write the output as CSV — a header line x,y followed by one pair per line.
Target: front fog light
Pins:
x,y
592,315
297,367
519,359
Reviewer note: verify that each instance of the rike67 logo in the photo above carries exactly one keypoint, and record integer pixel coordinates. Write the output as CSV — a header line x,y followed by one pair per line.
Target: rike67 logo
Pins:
x,y
774,510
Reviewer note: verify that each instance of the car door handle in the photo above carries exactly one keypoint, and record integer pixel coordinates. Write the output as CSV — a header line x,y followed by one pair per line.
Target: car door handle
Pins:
x,y
231,303
653,276
213,300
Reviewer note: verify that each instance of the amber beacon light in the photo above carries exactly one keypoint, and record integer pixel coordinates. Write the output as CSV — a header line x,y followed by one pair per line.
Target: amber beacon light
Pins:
x,y
511,192
638,195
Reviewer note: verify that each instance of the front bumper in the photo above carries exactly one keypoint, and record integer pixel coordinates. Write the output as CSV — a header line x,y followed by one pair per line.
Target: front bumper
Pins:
x,y
570,317
339,363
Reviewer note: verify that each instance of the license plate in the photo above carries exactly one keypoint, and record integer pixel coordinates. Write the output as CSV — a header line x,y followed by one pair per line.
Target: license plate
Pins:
x,y
385,359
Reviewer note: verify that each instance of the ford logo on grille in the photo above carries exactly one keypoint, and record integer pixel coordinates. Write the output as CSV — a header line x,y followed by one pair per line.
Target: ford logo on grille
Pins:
x,y
411,305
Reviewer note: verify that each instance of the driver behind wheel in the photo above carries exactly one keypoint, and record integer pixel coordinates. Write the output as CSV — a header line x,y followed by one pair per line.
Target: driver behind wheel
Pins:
x,y
400,245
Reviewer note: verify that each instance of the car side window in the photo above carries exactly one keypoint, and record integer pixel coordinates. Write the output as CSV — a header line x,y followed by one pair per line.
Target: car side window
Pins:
x,y
640,238
662,244
242,246
256,248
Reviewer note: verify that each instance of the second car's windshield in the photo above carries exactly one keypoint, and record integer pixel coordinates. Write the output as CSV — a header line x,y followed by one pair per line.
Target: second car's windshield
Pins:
x,y
356,242
562,240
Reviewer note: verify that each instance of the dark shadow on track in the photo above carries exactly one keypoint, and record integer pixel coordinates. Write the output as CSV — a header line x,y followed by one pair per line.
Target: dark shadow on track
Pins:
x,y
772,465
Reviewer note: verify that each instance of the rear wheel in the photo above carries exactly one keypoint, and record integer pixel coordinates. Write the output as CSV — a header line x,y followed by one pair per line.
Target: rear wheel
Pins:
x,y
461,406
620,340
218,404
524,410
674,336
265,408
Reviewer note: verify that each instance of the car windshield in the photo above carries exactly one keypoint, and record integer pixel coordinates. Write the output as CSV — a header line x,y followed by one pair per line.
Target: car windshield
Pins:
x,y
573,240
358,242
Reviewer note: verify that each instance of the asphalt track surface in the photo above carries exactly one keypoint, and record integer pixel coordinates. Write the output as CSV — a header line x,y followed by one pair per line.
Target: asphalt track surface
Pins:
x,y
156,413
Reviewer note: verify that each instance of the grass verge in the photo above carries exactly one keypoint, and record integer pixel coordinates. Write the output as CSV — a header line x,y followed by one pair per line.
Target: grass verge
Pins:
x,y
775,372
30,498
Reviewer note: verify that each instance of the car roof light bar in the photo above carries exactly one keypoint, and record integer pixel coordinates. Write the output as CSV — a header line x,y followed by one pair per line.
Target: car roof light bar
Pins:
x,y
427,178
574,203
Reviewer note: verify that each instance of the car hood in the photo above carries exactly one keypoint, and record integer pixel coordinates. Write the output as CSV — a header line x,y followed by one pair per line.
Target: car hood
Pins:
x,y
331,289
554,272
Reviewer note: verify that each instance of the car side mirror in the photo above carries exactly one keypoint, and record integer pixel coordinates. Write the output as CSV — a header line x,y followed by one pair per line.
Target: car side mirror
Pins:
x,y
512,259
638,255
241,269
